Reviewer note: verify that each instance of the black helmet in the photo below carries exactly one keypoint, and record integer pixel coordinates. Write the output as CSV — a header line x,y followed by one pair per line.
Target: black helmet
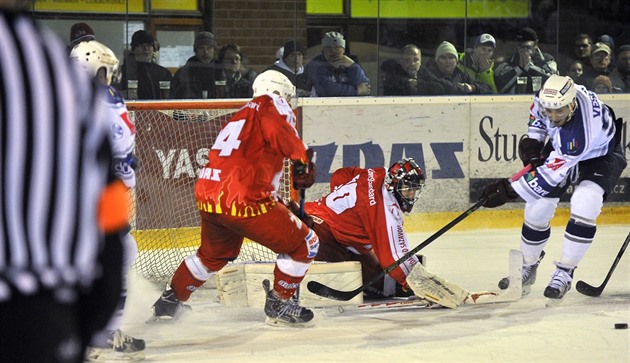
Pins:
x,y
405,181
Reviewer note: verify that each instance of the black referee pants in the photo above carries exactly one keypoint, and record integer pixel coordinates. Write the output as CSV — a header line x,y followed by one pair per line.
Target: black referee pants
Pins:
x,y
39,329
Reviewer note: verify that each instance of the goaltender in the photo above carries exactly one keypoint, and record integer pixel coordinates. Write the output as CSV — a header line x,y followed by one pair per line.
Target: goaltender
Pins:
x,y
361,219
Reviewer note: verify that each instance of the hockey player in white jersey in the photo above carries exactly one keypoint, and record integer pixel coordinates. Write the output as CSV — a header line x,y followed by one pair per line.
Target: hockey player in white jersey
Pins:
x,y
101,63
573,139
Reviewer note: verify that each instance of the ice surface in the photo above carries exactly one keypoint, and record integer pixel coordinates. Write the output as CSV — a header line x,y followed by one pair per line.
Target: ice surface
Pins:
x,y
580,329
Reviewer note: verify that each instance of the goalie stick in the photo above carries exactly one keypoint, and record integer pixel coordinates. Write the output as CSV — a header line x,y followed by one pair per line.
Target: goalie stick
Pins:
x,y
590,290
322,290
387,304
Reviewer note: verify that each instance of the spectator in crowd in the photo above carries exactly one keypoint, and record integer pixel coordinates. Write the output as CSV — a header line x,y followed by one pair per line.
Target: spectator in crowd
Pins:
x,y
80,32
248,72
581,52
620,77
443,77
399,76
602,84
575,70
598,65
139,67
291,64
528,61
237,86
333,73
478,63
64,212
582,49
196,79
610,42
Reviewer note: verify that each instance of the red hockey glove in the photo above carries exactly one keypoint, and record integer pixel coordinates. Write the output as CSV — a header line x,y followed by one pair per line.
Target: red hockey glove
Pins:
x,y
303,174
294,207
530,152
498,193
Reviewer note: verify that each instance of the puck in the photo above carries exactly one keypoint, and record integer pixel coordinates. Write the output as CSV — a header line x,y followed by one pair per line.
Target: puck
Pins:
x,y
621,326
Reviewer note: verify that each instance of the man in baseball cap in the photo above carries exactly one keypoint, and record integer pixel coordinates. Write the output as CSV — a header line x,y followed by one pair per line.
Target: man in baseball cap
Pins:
x,y
478,62
597,65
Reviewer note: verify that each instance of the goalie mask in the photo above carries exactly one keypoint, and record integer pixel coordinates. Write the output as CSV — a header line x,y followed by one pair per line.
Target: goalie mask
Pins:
x,y
405,181
92,56
274,82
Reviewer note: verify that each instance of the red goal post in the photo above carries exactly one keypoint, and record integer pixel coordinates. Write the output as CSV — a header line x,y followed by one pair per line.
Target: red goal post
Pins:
x,y
172,143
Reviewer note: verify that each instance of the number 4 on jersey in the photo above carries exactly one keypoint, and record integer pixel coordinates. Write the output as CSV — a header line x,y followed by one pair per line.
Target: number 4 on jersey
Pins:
x,y
227,140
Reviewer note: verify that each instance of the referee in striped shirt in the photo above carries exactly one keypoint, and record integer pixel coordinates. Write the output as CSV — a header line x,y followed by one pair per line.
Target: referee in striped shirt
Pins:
x,y
61,210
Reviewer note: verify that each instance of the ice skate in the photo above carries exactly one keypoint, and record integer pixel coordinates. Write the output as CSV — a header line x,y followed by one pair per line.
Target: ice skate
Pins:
x,y
529,276
118,347
167,307
284,312
560,283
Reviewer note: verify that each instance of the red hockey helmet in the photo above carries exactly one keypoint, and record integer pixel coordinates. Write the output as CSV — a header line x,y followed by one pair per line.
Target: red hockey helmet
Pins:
x,y
405,180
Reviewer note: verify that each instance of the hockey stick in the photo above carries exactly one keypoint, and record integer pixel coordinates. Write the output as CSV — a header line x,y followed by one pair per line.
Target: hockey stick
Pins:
x,y
386,304
590,290
302,200
330,293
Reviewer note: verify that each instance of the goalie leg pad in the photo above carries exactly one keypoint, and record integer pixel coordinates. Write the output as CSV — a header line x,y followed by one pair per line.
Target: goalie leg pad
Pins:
x,y
434,288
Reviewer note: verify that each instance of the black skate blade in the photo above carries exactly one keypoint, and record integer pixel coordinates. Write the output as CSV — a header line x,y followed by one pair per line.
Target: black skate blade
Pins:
x,y
275,322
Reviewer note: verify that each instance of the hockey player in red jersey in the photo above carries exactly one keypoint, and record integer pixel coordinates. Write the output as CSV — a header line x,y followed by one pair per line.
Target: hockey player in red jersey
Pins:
x,y
361,219
236,196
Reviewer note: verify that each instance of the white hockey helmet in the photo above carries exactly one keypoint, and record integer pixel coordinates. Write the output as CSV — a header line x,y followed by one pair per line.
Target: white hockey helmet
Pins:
x,y
557,92
92,56
274,82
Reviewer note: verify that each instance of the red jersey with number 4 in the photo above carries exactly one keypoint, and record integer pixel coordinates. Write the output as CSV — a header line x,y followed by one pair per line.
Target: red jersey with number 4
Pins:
x,y
247,159
363,215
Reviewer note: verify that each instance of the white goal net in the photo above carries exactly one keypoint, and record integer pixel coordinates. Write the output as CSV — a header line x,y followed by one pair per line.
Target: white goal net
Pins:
x,y
172,143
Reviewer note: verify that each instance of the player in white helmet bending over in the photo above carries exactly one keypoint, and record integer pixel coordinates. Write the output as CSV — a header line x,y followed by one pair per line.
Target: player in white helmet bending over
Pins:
x,y
236,196
582,149
362,220
101,63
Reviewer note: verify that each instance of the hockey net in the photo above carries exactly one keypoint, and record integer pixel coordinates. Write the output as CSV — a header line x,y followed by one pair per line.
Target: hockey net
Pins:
x,y
172,143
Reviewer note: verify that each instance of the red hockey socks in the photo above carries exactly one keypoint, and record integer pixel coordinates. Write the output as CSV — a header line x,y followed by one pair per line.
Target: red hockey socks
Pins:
x,y
183,282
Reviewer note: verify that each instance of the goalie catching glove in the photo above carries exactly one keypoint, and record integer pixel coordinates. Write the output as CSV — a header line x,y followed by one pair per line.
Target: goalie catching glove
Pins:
x,y
304,174
498,193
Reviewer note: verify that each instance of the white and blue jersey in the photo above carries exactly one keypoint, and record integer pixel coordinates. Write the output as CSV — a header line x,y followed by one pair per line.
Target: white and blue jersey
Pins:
x,y
588,134
122,136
